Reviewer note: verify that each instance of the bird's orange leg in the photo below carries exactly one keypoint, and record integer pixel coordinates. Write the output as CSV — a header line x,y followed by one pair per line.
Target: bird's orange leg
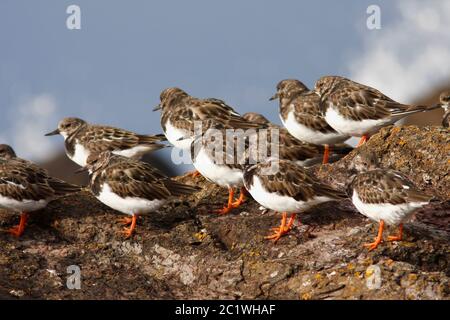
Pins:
x,y
283,229
128,232
194,173
229,205
241,199
363,140
399,236
378,239
125,221
326,154
18,230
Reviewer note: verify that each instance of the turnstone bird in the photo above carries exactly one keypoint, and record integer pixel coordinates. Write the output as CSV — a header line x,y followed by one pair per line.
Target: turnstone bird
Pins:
x,y
301,114
220,156
290,148
131,186
24,187
179,111
383,195
82,139
7,152
358,110
444,102
288,190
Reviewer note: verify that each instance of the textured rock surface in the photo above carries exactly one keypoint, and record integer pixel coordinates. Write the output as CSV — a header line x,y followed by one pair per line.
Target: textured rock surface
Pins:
x,y
187,252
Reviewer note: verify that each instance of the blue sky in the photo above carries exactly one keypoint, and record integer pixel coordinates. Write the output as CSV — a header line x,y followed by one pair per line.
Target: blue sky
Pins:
x,y
113,69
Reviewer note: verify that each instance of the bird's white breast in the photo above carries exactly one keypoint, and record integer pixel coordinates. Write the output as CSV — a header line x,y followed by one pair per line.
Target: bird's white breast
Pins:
x,y
80,154
174,135
278,202
351,127
303,133
128,205
390,213
216,172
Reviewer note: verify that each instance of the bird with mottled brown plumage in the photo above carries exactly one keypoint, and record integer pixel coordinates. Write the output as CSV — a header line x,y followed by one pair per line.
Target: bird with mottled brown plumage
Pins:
x,y
302,116
286,187
131,186
358,110
25,187
383,195
81,139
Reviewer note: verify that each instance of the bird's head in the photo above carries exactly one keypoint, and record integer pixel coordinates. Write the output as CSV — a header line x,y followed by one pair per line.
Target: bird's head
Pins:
x,y
325,85
364,161
68,126
170,98
6,152
255,118
288,89
444,99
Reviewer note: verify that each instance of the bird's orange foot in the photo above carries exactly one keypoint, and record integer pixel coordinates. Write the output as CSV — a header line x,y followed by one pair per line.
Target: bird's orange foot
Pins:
x,y
224,210
16,231
128,232
283,229
363,140
378,239
278,233
229,206
240,200
194,174
397,237
373,245
237,203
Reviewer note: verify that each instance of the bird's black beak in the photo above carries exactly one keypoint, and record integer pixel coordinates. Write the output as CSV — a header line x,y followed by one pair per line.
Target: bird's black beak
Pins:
x,y
274,97
158,107
53,133
81,170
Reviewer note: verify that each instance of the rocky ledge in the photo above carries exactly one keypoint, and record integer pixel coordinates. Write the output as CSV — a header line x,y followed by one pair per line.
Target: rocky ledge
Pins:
x,y
187,252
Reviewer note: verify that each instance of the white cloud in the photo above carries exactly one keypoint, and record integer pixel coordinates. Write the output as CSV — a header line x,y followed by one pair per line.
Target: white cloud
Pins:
x,y
30,120
410,56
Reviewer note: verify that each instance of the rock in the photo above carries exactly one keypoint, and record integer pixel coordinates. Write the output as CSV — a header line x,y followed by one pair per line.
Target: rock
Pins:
x,y
186,252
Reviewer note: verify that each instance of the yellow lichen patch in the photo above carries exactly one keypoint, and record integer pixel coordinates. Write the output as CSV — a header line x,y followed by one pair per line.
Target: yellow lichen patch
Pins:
x,y
200,236
412,277
318,277
407,244
350,266
369,272
254,253
389,262
306,296
395,130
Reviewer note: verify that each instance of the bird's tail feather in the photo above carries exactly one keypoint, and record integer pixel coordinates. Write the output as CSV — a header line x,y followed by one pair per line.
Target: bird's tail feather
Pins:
x,y
62,188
